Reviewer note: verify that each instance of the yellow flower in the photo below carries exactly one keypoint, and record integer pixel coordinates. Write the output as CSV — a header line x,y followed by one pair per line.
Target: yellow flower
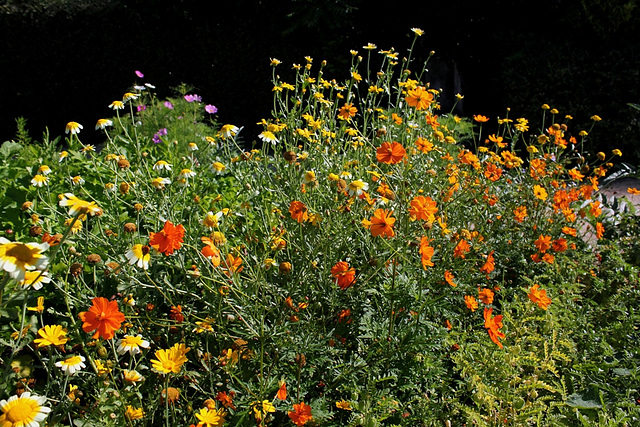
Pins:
x,y
79,206
596,118
131,344
17,258
275,62
617,152
116,105
23,411
170,360
344,404
39,180
139,255
73,127
131,377
417,31
210,417
159,183
540,192
370,46
35,279
134,413
51,335
39,306
101,368
71,364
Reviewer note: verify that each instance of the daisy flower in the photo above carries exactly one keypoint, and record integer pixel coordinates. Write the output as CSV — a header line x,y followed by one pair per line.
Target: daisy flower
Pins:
x,y
44,170
131,344
103,123
218,167
268,136
131,377
139,255
187,173
116,105
211,220
161,165
73,127
26,410
228,131
192,146
357,187
39,181
17,258
159,183
79,206
71,364
35,279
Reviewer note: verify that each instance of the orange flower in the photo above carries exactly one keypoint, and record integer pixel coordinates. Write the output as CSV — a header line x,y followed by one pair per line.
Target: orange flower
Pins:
x,y
211,251
492,172
569,231
423,208
520,213
301,414
634,191
539,296
390,153
448,276
103,316
426,252
381,223
167,240
493,326
298,211
282,391
419,98
176,314
599,230
486,296
424,145
489,264
540,192
543,243
471,302
480,119
347,111
559,245
461,249
232,265
343,274
226,399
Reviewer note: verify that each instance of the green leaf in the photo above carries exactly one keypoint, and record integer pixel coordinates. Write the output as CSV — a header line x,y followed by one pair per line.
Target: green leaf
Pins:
x,y
10,148
579,401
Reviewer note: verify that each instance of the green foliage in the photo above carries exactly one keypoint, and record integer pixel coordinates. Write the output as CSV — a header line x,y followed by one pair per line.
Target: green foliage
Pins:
x,y
387,262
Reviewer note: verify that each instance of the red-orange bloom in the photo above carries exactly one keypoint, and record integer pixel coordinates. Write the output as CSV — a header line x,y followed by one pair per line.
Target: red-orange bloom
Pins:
x,y
423,208
344,275
103,317
211,251
492,172
301,414
390,153
232,264
282,391
480,118
382,223
539,296
176,313
543,243
226,399
599,230
426,252
168,239
493,326
471,302
461,249
448,276
559,245
347,111
486,296
489,264
298,211
419,98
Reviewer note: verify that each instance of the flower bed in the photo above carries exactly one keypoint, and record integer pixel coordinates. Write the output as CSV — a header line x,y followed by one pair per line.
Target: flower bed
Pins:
x,y
374,261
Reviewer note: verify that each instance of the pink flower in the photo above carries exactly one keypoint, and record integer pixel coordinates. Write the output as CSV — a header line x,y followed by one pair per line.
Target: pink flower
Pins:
x,y
211,109
139,74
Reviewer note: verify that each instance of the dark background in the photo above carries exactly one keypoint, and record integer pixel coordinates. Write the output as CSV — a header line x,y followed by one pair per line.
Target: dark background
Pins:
x,y
67,60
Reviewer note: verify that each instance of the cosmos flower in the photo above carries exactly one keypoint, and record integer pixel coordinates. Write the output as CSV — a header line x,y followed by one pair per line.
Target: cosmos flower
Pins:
x,y
103,317
168,239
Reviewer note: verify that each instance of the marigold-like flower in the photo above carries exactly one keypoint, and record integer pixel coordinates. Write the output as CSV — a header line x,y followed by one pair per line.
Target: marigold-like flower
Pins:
x,y
493,326
344,404
211,251
344,275
486,296
381,223
170,360
520,213
489,264
347,111
282,391
390,153
17,258
461,249
23,411
168,239
424,208
134,413
448,277
539,296
298,211
51,335
301,414
420,98
426,252
103,317
543,243
470,302
79,206
139,255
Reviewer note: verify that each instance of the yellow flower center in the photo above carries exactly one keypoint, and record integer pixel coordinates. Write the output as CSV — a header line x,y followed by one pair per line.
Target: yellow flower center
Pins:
x,y
22,412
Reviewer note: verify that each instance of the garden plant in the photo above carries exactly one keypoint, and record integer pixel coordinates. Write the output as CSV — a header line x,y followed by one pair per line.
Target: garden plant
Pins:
x,y
366,260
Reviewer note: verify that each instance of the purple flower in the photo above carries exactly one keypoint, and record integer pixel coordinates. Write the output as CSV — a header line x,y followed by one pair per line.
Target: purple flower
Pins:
x,y
168,104
211,109
156,138
162,131
139,74
194,97
141,107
